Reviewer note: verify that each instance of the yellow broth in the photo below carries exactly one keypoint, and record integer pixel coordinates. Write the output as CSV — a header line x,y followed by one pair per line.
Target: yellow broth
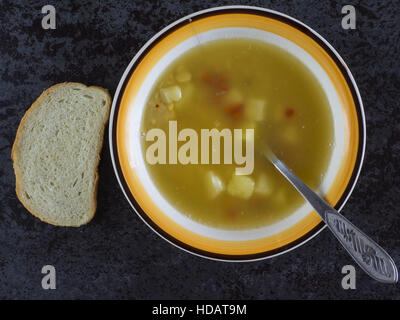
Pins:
x,y
218,85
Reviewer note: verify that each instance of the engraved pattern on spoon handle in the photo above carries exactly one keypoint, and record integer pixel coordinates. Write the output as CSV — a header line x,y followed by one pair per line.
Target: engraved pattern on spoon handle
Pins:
x,y
374,260
367,253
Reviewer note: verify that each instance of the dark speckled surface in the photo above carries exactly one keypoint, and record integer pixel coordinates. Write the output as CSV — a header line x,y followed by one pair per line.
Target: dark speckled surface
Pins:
x,y
116,255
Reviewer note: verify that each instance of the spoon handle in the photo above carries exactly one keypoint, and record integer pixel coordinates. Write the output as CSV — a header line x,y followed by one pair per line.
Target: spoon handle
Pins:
x,y
374,260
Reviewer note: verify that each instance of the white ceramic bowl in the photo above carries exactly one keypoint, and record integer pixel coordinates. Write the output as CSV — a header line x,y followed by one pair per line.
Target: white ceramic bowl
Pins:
x,y
221,23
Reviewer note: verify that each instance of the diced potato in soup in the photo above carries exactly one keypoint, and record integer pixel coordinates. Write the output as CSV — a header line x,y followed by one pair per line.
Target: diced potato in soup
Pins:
x,y
171,94
187,89
183,75
255,109
214,184
241,186
233,97
241,84
263,185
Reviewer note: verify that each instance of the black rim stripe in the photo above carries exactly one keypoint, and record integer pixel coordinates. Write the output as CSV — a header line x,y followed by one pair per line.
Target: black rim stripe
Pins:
x,y
260,255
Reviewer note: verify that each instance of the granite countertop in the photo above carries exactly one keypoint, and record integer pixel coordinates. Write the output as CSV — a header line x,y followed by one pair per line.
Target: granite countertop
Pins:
x,y
116,256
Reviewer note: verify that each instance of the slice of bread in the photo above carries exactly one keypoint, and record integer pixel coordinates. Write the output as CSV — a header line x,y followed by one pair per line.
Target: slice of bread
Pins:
x,y
57,151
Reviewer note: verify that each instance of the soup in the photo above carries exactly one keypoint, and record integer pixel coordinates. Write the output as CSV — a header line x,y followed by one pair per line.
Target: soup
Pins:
x,y
240,84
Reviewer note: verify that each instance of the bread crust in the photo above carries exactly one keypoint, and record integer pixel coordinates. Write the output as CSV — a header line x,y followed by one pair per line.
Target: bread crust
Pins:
x,y
14,156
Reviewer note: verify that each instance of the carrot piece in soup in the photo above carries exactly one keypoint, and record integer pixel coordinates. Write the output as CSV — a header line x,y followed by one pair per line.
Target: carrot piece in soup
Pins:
x,y
216,81
289,112
231,214
235,110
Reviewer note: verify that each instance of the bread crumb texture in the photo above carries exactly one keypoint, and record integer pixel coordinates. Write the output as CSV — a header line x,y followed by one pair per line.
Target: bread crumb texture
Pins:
x,y
57,151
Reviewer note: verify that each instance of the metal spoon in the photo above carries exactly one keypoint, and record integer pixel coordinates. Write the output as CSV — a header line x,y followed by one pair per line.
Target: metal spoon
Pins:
x,y
375,261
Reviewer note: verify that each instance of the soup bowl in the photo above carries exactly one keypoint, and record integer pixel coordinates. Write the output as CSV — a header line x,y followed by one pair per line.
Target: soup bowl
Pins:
x,y
221,23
